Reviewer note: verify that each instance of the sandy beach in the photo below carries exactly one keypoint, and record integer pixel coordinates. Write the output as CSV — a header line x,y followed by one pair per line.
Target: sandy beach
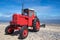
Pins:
x,y
50,32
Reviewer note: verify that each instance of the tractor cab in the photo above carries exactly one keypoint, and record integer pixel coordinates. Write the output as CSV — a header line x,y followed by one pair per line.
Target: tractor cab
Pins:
x,y
28,12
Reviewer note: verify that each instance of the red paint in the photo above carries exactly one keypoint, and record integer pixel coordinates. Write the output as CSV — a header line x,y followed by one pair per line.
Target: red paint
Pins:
x,y
37,25
22,20
25,33
9,30
17,28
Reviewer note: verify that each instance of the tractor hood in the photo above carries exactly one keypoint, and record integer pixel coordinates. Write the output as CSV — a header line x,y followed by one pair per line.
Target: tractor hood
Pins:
x,y
18,19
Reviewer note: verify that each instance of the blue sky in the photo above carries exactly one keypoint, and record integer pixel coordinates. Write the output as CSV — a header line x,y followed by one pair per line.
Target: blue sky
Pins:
x,y
46,9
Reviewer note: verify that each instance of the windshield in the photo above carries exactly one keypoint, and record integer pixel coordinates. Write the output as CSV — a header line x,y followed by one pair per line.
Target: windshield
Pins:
x,y
24,13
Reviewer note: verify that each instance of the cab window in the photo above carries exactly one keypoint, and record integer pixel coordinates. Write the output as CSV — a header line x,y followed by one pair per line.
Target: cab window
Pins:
x,y
30,13
26,14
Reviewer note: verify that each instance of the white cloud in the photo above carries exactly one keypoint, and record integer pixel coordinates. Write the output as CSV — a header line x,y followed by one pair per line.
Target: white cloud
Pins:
x,y
2,15
42,10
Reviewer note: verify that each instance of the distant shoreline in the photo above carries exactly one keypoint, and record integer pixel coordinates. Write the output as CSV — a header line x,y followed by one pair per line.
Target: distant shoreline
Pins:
x,y
41,23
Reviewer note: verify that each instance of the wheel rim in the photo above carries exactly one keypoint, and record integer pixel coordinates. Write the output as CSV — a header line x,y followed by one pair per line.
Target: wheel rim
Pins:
x,y
25,32
9,30
37,25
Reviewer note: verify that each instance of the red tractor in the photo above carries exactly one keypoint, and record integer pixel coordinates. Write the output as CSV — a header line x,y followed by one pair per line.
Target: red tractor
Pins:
x,y
23,22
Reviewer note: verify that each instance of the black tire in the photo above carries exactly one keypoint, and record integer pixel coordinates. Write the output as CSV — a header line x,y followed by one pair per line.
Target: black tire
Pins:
x,y
21,36
7,28
34,24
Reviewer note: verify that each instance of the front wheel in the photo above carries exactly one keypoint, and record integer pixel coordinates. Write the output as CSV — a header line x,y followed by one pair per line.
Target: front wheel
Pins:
x,y
23,32
9,30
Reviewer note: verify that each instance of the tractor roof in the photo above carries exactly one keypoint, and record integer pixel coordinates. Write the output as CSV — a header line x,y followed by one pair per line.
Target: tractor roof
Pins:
x,y
29,9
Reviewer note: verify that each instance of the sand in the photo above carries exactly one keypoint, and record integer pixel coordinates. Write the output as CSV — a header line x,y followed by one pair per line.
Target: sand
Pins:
x,y
50,32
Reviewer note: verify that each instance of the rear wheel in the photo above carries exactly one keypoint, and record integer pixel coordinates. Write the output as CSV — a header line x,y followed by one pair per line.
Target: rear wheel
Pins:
x,y
23,32
9,30
36,25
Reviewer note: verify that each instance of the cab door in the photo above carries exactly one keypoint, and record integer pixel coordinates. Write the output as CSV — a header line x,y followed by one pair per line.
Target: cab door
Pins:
x,y
30,18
